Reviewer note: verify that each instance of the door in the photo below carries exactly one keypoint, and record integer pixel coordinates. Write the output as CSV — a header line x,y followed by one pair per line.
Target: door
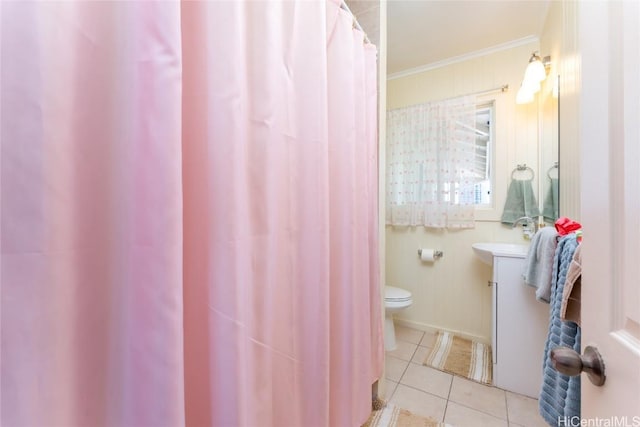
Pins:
x,y
609,39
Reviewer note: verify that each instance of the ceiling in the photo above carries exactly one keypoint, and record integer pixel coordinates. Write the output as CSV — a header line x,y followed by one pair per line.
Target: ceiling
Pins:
x,y
424,32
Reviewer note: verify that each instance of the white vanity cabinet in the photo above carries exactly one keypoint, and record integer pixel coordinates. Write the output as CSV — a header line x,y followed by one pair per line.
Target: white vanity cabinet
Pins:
x,y
520,325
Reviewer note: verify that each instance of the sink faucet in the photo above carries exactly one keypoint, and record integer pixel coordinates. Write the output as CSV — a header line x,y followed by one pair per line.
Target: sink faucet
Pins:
x,y
529,226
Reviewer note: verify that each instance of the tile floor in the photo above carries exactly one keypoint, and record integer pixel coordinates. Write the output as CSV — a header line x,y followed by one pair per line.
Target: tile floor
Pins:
x,y
449,398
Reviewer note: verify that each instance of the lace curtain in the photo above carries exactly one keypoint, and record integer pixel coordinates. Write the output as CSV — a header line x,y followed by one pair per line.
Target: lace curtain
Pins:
x,y
430,157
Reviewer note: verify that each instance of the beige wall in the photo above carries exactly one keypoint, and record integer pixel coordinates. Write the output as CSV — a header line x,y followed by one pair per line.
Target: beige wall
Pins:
x,y
570,83
452,293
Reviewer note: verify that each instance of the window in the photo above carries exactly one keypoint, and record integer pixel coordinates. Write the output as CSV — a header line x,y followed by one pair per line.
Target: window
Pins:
x,y
483,154
437,155
481,165
439,162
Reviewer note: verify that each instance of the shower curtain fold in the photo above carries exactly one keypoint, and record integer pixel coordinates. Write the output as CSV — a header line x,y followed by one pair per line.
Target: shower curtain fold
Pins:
x,y
188,215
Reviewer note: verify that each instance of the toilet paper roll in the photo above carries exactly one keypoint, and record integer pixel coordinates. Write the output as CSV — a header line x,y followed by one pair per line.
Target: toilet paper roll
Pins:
x,y
427,255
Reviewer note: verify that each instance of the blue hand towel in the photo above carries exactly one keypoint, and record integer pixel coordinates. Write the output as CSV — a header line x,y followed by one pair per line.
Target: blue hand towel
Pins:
x,y
550,207
520,201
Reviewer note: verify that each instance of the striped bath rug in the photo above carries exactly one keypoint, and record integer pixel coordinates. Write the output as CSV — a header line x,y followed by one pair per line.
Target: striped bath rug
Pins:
x,y
460,356
392,416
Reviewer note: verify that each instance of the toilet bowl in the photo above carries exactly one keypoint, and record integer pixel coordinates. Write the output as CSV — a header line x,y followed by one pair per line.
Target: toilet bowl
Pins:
x,y
395,299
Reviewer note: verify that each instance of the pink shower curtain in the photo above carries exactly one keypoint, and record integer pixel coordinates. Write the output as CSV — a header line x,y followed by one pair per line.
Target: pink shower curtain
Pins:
x,y
188,215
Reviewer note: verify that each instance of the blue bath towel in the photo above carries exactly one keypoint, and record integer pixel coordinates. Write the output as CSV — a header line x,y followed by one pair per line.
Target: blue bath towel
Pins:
x,y
560,394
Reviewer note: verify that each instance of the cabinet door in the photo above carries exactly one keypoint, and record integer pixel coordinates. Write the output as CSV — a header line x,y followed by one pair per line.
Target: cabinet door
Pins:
x,y
522,324
494,319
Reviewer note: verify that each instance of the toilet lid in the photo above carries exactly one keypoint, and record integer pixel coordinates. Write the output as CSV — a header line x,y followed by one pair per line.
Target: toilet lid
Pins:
x,y
391,293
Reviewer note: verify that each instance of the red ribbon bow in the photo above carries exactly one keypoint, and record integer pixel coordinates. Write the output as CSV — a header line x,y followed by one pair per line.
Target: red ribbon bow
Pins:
x,y
565,226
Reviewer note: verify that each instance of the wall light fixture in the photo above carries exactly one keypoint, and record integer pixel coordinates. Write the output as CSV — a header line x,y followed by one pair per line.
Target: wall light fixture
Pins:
x,y
535,73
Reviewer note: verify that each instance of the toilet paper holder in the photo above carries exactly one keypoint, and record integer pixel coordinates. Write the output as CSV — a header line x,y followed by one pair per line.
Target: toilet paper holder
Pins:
x,y
436,254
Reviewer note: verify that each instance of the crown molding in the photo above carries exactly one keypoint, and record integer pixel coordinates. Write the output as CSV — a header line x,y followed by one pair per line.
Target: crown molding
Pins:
x,y
467,56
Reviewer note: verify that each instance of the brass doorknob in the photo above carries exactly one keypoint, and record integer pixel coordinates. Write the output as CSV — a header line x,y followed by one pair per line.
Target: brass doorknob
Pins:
x,y
567,361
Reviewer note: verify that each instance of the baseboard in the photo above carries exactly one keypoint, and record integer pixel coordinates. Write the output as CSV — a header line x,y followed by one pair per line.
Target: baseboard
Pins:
x,y
434,328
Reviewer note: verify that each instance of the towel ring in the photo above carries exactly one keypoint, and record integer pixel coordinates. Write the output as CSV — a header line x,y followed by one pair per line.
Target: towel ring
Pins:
x,y
522,168
555,166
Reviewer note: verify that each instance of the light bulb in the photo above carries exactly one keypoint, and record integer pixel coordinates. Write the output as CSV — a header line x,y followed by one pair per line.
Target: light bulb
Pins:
x,y
535,71
524,96
532,86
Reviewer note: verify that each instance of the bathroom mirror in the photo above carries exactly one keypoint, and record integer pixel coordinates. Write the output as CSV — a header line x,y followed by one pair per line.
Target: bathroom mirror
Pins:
x,y
549,172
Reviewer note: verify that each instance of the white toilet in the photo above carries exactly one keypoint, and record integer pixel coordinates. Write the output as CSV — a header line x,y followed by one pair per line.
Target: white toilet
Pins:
x,y
395,299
